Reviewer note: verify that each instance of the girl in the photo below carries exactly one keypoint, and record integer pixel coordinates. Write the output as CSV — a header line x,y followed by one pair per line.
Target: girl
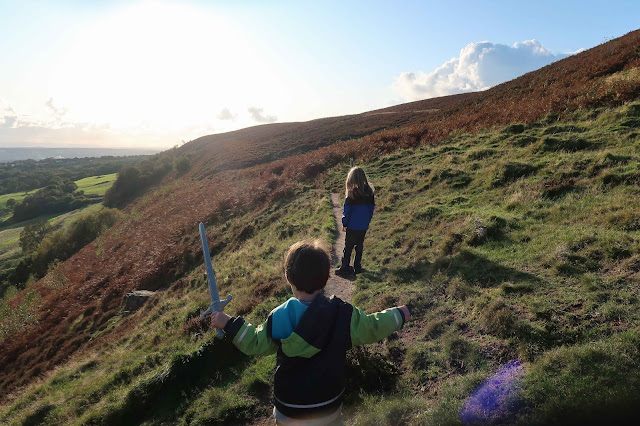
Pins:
x,y
357,212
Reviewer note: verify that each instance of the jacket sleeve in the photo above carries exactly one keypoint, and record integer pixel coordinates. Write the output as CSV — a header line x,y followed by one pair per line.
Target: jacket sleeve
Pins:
x,y
375,327
346,213
372,207
251,340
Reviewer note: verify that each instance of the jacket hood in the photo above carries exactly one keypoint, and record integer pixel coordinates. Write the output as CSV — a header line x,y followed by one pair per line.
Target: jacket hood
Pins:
x,y
315,328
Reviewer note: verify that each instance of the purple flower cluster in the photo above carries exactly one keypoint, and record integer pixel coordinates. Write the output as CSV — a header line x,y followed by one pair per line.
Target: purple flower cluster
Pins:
x,y
496,399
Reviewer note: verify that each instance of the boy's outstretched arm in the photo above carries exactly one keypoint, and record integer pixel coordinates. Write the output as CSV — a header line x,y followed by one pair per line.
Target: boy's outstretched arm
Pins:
x,y
375,327
251,340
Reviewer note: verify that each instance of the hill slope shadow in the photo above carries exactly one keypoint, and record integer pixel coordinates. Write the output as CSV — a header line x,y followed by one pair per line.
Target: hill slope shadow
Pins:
x,y
468,265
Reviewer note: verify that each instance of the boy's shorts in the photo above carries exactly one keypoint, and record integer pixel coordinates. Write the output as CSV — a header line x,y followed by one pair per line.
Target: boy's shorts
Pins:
x,y
334,419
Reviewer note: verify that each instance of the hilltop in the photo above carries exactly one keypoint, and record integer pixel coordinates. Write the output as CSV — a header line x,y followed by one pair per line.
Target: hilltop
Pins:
x,y
507,217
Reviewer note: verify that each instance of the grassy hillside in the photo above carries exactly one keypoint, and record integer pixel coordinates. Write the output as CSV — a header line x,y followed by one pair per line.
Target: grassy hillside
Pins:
x,y
518,243
507,218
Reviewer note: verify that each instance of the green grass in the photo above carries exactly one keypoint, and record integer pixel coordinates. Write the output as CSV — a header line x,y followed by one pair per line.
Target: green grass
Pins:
x,y
17,196
505,244
96,185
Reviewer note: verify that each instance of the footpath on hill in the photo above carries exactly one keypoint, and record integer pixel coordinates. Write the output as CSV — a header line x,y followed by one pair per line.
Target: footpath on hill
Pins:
x,y
341,287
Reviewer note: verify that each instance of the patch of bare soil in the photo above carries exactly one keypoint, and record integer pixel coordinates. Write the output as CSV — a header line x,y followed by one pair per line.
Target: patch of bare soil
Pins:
x,y
341,287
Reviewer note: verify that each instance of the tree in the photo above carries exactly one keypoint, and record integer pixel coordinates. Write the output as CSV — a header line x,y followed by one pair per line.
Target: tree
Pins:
x,y
32,235
182,164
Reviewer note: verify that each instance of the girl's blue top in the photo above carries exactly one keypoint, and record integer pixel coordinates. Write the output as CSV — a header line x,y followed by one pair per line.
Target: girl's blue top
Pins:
x,y
357,212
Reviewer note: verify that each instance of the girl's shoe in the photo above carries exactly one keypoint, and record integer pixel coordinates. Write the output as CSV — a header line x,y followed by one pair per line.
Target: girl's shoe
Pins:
x,y
344,272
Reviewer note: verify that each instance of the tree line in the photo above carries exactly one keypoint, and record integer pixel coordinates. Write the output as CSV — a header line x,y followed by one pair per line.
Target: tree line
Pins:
x,y
27,175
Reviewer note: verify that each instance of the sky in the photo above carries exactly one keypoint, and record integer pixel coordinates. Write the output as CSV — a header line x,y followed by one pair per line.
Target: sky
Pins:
x,y
154,74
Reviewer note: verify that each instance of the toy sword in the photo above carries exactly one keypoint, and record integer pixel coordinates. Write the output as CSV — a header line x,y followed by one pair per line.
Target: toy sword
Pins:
x,y
216,304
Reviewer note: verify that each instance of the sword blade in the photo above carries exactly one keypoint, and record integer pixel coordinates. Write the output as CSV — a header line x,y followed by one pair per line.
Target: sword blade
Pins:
x,y
211,276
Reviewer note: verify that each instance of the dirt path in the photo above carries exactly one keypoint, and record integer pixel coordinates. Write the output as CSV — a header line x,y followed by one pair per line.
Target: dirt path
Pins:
x,y
341,287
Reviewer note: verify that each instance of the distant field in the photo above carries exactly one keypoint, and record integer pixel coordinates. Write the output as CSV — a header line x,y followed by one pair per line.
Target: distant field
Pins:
x,y
96,185
93,185
18,196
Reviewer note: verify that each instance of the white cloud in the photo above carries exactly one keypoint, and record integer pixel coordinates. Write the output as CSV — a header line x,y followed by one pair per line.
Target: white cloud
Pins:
x,y
57,112
9,121
257,115
7,114
225,114
479,66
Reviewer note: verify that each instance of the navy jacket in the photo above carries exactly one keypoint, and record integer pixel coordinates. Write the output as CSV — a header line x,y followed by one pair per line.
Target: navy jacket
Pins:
x,y
357,212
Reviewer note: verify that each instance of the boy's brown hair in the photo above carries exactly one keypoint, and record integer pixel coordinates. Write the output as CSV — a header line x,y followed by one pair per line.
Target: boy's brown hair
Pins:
x,y
306,266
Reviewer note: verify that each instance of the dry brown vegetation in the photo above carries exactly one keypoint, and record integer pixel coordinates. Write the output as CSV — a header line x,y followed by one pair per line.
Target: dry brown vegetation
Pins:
x,y
253,167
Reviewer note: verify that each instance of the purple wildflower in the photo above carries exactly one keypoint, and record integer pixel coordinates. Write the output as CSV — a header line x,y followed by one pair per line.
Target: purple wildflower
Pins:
x,y
496,399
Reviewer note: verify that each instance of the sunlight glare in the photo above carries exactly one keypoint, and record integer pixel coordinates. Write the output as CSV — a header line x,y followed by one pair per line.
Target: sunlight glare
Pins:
x,y
163,66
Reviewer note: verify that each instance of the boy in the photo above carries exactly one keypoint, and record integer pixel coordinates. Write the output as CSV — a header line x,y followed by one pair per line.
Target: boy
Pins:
x,y
311,335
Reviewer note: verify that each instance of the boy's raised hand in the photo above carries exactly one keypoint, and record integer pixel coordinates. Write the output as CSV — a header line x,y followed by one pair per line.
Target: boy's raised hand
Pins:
x,y
219,319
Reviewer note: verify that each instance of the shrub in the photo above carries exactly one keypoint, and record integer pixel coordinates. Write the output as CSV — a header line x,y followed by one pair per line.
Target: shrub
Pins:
x,y
524,140
633,110
555,188
630,122
60,196
509,172
63,243
368,370
452,243
427,213
568,128
126,185
491,229
461,354
182,164
616,178
594,383
32,235
132,181
572,144
497,319
514,129
455,178
481,154
626,220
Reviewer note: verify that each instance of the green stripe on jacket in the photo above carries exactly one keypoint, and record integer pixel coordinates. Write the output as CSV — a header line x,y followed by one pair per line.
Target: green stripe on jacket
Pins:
x,y
295,345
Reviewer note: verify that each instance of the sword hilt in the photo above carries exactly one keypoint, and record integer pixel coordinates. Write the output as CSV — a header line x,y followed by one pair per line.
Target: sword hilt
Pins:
x,y
212,308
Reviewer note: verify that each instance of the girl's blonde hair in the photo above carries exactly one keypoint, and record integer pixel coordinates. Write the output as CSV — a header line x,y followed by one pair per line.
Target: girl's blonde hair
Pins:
x,y
356,183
